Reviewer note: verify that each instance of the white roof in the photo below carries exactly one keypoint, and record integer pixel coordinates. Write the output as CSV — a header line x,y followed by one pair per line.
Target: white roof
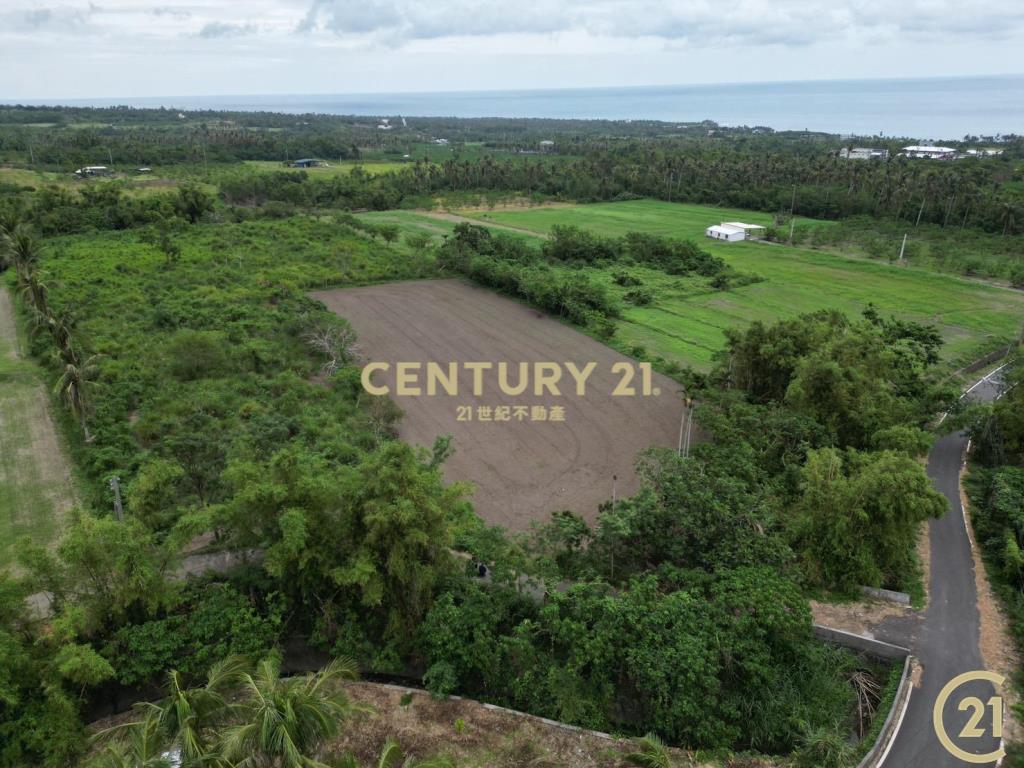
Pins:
x,y
727,228
937,150
741,225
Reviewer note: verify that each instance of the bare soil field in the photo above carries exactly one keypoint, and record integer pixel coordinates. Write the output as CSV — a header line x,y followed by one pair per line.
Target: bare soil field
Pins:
x,y
522,469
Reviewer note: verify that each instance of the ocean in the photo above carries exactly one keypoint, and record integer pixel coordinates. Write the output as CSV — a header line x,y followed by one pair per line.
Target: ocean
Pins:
x,y
932,108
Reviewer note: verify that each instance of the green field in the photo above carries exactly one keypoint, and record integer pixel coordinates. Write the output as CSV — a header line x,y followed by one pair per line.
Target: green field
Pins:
x,y
35,485
333,168
686,323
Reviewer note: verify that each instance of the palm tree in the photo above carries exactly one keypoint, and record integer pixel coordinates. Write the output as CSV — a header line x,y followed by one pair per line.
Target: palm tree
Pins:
x,y
284,721
24,247
70,387
188,715
140,744
651,753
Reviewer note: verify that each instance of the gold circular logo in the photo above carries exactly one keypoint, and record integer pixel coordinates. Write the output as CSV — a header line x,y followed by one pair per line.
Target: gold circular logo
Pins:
x,y
977,708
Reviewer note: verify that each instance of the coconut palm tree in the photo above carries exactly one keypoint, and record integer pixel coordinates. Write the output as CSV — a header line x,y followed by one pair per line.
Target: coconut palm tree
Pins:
x,y
24,247
138,744
188,716
285,721
71,385
180,730
651,753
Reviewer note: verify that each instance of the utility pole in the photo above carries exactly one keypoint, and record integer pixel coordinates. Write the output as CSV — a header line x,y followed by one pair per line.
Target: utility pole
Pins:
x,y
110,156
689,426
903,248
682,421
115,486
615,488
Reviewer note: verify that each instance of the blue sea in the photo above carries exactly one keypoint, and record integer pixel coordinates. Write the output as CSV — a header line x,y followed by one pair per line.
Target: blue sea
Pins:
x,y
933,108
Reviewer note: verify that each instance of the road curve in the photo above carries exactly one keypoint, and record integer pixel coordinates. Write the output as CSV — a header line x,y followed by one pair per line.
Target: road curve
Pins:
x,y
946,640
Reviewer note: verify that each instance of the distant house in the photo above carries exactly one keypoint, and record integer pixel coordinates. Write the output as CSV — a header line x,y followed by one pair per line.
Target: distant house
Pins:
x,y
929,152
749,230
726,232
864,153
92,170
309,162
547,145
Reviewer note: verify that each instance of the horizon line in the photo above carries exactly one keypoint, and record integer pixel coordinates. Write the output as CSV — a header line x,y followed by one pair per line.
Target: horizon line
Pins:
x,y
64,101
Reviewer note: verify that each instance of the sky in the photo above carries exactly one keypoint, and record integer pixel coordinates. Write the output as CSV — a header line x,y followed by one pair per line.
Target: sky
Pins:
x,y
128,48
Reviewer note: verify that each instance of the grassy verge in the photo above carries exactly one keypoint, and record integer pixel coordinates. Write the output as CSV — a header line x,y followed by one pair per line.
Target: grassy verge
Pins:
x,y
35,483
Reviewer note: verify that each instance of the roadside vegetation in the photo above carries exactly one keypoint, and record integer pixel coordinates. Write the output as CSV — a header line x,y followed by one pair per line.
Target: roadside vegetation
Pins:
x,y
995,486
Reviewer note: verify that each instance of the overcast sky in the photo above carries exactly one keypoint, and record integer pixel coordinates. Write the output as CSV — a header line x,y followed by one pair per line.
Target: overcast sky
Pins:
x,y
111,48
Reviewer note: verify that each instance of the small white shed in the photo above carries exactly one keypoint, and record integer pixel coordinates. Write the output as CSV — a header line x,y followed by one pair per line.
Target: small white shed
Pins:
x,y
726,232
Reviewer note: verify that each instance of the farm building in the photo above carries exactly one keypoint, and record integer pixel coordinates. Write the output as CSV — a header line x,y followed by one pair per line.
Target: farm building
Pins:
x,y
309,162
726,232
93,170
930,152
864,153
731,231
751,230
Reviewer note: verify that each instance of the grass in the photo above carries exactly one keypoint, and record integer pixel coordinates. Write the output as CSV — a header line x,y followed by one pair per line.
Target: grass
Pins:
x,y
35,485
333,168
687,324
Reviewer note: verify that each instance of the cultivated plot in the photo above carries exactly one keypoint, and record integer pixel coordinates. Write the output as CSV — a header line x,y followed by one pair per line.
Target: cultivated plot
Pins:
x,y
523,468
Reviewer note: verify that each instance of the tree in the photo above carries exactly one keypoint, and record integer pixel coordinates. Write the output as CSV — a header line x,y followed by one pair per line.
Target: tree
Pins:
x,y
106,570
284,721
187,717
71,386
193,201
857,518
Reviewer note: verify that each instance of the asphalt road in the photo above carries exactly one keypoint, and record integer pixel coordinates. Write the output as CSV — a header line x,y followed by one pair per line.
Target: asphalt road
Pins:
x,y
946,641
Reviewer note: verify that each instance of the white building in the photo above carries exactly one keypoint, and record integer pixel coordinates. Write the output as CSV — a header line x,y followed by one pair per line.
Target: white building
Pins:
x,y
726,232
929,152
750,230
93,170
863,153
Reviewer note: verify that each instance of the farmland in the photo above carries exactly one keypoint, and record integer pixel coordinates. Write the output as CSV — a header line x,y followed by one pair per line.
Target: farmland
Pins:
x,y
687,324
522,470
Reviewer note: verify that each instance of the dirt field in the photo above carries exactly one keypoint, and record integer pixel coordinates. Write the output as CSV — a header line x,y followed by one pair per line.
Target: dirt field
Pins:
x,y
35,483
522,469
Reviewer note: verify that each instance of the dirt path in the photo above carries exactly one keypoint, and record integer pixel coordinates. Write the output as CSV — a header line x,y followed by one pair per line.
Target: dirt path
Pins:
x,y
36,490
456,218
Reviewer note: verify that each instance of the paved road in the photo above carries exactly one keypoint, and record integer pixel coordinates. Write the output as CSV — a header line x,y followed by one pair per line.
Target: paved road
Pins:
x,y
946,641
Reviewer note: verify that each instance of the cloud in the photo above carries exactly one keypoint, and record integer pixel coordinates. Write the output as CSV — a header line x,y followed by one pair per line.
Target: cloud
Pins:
x,y
219,29
39,19
693,22
172,11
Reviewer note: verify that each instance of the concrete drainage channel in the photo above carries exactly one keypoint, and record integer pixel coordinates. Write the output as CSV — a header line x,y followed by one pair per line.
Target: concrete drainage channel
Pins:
x,y
875,756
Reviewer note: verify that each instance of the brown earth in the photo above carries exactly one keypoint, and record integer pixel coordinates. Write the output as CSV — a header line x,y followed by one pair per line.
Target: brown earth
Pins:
x,y
522,470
